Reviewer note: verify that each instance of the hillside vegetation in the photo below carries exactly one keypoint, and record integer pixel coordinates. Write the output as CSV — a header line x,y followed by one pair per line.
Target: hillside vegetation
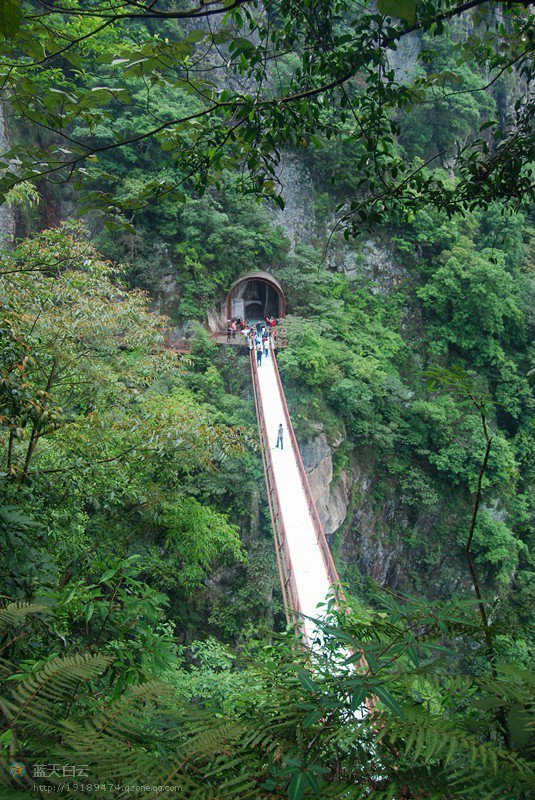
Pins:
x,y
377,159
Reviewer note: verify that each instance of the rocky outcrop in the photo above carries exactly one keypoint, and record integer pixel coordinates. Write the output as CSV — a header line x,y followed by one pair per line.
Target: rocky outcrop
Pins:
x,y
405,57
374,264
368,540
332,498
297,219
166,293
216,318
368,534
362,541
7,217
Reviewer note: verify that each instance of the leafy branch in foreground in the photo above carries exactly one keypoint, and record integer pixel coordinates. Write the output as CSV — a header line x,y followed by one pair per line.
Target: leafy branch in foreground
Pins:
x,y
290,727
236,113
459,381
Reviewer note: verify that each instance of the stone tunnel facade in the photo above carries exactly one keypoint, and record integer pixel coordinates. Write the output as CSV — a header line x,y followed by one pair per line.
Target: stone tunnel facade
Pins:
x,y
254,296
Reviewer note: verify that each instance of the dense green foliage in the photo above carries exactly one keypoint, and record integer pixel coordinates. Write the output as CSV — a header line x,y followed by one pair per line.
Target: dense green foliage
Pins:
x,y
138,586
296,73
115,446
463,300
289,724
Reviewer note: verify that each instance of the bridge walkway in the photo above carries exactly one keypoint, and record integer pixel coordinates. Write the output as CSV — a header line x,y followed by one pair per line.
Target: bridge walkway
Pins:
x,y
305,563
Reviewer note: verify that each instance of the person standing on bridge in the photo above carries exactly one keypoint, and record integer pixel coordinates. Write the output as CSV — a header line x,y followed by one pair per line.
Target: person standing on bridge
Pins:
x,y
265,342
280,433
229,331
259,353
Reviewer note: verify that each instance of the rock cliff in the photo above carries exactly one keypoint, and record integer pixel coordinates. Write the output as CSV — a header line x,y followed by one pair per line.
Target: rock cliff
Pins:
x,y
7,217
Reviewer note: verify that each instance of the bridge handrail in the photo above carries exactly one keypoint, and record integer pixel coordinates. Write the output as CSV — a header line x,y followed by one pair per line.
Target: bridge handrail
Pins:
x,y
332,572
318,526
292,604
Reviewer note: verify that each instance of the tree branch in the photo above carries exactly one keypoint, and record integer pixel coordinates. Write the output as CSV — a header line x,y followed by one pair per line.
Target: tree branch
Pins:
x,y
471,566
500,712
34,436
198,12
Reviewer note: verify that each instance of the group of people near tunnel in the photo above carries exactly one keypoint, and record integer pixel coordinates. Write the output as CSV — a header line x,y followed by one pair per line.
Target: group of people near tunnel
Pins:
x,y
258,338
257,335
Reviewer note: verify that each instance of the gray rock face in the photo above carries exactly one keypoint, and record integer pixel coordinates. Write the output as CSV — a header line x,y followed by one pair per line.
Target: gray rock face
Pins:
x,y
372,261
7,217
403,59
167,285
374,264
362,542
298,219
332,500
215,318
368,534
379,557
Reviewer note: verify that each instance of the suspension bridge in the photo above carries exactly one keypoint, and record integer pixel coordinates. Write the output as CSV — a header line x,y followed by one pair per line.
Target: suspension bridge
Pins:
x,y
306,568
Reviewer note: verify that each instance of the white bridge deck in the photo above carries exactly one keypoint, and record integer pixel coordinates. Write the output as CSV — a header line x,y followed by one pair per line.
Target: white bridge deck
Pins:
x,y
307,561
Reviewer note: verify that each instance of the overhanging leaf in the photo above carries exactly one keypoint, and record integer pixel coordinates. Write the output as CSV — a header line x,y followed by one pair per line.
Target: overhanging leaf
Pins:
x,y
305,679
389,700
10,18
297,787
401,9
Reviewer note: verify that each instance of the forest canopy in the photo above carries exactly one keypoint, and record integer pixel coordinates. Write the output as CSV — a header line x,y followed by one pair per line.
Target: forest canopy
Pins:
x,y
377,159
295,75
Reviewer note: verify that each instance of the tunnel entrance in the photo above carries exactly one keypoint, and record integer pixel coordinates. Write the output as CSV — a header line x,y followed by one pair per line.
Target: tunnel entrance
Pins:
x,y
255,296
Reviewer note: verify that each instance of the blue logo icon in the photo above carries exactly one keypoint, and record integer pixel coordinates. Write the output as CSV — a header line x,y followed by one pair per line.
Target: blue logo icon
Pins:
x,y
17,769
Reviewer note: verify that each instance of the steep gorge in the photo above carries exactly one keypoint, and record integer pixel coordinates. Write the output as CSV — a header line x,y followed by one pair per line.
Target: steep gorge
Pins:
x,y
143,630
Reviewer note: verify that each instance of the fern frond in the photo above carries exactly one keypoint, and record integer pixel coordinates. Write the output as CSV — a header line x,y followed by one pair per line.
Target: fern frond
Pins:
x,y
16,613
37,699
436,743
124,718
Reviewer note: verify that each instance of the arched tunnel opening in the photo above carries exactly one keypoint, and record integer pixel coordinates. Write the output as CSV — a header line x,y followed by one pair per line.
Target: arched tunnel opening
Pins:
x,y
255,296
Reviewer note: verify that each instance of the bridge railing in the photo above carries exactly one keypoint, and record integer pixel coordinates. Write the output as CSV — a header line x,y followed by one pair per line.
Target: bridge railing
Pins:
x,y
332,572
290,595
